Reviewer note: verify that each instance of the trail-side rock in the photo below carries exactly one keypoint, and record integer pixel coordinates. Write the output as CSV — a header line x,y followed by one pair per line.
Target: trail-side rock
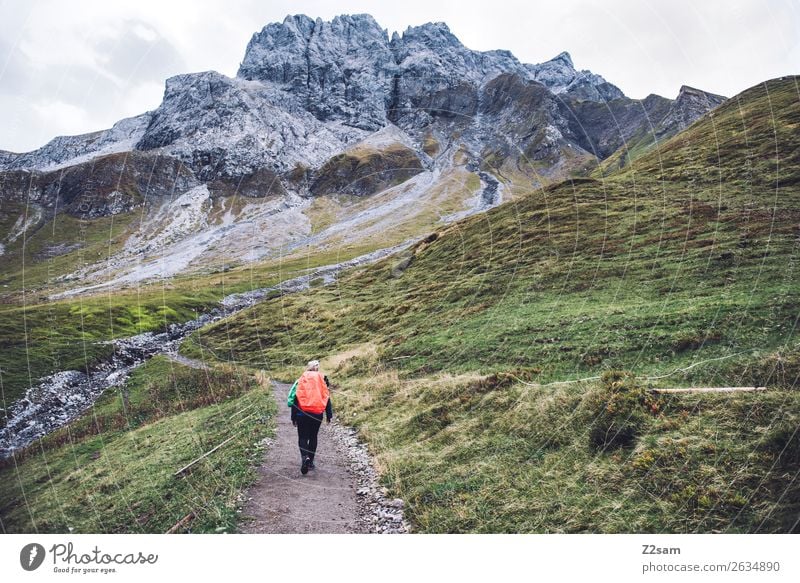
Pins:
x,y
382,513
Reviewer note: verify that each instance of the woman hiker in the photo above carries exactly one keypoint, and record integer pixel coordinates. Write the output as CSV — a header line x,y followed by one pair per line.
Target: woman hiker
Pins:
x,y
309,398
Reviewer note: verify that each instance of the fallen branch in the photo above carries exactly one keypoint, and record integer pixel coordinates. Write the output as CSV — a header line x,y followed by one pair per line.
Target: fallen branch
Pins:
x,y
209,452
243,410
691,366
243,419
711,390
181,523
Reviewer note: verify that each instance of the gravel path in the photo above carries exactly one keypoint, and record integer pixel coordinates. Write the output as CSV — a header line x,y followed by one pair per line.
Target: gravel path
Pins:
x,y
341,495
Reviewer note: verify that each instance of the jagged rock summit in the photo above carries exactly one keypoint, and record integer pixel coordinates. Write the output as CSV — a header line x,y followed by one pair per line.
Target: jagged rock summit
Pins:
x,y
690,104
350,70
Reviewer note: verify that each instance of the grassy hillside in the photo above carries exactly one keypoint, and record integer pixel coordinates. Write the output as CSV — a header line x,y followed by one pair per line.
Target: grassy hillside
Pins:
x,y
55,247
113,469
583,278
681,270
492,454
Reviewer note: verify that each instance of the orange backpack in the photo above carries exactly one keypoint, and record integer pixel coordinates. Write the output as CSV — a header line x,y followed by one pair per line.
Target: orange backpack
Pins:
x,y
312,392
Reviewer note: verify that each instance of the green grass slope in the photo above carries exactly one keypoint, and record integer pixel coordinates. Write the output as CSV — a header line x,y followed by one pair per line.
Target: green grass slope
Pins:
x,y
112,470
495,455
43,338
681,269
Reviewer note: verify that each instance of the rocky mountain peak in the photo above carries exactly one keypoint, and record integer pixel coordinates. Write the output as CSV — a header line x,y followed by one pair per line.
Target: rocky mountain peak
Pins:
x,y
687,90
560,76
563,58
336,70
350,70
432,34
299,24
687,93
690,105
305,26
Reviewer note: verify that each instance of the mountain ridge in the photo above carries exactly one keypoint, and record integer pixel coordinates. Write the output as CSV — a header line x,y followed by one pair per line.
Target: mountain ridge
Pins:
x,y
556,74
448,128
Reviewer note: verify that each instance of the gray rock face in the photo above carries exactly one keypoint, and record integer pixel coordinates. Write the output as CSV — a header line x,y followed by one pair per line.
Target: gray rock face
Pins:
x,y
433,63
602,128
6,158
68,150
690,105
336,70
560,76
230,127
349,70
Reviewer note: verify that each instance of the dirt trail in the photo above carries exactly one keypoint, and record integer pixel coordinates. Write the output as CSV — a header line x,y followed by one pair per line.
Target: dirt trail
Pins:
x,y
284,501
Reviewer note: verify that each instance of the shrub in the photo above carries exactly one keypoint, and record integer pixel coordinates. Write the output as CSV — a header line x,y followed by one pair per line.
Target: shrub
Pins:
x,y
490,383
429,422
783,440
619,410
780,369
692,341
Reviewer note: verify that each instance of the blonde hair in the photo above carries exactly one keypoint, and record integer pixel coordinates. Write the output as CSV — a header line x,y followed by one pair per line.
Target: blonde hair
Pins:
x,y
312,365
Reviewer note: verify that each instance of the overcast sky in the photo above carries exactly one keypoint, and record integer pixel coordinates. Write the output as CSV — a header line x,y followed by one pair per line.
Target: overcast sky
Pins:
x,y
79,66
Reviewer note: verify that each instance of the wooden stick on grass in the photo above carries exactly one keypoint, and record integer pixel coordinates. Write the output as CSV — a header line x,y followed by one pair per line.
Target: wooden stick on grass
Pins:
x,y
209,452
181,523
711,390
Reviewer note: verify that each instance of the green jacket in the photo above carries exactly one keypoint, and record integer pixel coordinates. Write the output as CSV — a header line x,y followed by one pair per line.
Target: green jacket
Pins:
x,y
292,394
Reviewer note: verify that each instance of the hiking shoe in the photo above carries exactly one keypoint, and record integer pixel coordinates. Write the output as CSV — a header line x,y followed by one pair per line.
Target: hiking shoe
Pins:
x,y
311,465
305,466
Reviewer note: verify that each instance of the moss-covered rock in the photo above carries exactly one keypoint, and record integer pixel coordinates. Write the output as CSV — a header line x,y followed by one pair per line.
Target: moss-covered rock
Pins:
x,y
363,170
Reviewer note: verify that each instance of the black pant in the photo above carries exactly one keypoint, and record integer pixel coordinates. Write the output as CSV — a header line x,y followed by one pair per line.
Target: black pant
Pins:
x,y
307,430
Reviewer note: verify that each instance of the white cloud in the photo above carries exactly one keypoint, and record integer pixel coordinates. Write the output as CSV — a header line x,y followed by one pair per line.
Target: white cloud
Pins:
x,y
105,59
144,32
143,97
64,118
